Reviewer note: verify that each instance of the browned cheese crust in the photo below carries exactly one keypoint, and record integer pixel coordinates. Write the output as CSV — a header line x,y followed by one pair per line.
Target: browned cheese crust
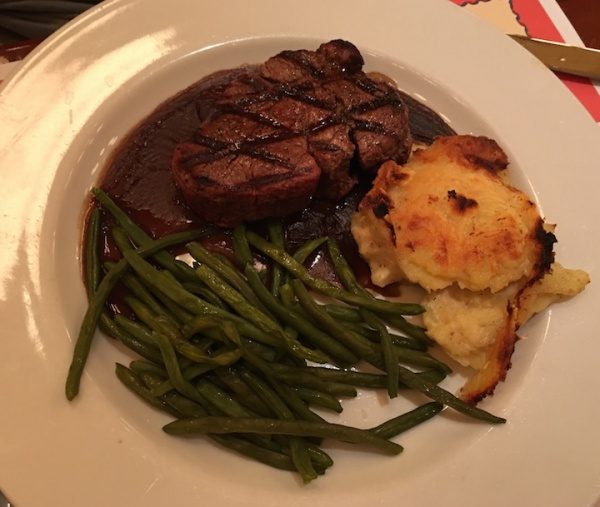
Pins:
x,y
447,217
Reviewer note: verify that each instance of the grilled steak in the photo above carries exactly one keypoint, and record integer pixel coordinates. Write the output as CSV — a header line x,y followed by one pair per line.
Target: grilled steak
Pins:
x,y
275,135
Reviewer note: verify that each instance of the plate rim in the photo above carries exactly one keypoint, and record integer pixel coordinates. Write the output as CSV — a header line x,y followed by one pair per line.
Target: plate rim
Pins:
x,y
56,50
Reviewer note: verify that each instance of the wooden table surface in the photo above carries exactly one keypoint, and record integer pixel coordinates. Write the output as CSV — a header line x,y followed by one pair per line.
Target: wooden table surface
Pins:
x,y
584,15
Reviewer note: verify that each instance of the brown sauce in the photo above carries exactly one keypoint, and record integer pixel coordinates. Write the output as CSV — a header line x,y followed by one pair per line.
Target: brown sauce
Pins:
x,y
139,179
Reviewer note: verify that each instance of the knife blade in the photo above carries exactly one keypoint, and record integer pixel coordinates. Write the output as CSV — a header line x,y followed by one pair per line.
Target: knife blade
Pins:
x,y
559,57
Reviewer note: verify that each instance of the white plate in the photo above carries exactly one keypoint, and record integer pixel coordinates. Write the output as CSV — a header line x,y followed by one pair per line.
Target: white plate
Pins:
x,y
80,92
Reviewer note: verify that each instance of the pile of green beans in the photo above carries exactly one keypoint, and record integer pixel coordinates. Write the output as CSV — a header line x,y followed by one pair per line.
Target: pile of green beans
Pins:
x,y
234,353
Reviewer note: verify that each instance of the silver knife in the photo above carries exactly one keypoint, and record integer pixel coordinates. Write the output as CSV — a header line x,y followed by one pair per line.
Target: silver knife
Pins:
x,y
562,57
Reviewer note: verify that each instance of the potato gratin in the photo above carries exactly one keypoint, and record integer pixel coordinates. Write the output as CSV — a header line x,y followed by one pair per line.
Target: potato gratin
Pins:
x,y
449,221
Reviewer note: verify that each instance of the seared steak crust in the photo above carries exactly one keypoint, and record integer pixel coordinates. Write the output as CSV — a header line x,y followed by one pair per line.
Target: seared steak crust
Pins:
x,y
273,136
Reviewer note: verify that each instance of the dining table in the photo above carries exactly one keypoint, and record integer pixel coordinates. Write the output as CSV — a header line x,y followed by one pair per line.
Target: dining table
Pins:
x,y
572,22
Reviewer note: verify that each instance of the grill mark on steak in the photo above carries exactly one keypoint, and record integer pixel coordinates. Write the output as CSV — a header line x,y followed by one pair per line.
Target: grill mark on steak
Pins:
x,y
376,103
373,127
322,96
258,117
299,58
297,93
249,148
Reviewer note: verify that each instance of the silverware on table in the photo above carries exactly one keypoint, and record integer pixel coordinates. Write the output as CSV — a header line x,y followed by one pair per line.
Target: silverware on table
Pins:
x,y
559,57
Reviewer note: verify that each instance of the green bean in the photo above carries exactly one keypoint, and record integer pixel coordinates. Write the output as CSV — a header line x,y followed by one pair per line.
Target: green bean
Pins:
x,y
224,358
318,456
330,346
186,271
314,397
266,395
175,291
254,315
206,344
350,377
390,357
324,287
241,248
183,327
356,343
96,306
226,271
230,407
189,408
88,327
297,376
404,422
184,405
419,358
174,370
140,237
349,280
290,397
287,296
245,395
225,425
189,373
265,456
92,280
371,380
299,452
274,401
140,367
132,381
345,313
408,328
233,298
343,270
140,331
294,401
173,314
144,349
258,448
415,336
154,322
305,250
139,290
301,379
276,237
436,393
172,309
201,290
92,263
160,324
347,277
372,335
359,344
220,399
199,324
302,253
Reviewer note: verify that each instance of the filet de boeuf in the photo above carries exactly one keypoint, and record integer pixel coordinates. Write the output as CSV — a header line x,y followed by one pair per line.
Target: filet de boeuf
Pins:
x,y
278,134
